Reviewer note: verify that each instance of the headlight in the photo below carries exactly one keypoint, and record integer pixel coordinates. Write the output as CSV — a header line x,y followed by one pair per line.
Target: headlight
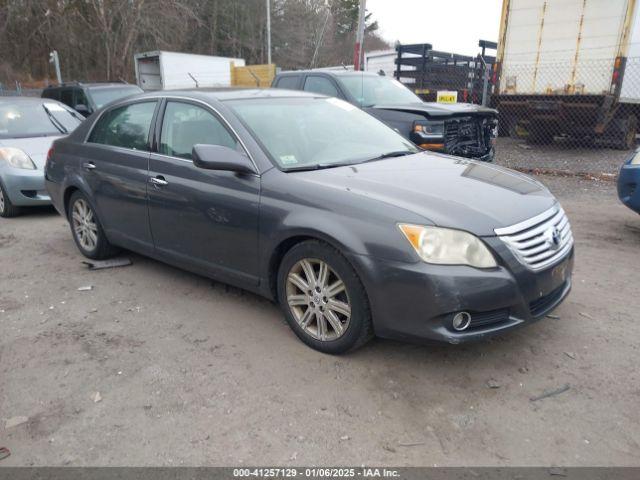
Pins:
x,y
16,158
429,129
635,160
445,246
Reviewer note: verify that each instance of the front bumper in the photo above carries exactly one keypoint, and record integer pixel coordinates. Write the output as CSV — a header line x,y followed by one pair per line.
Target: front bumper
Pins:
x,y
629,186
417,302
25,188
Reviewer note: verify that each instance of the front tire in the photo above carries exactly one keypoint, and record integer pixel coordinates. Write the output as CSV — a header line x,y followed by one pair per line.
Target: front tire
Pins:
x,y
7,209
323,298
86,229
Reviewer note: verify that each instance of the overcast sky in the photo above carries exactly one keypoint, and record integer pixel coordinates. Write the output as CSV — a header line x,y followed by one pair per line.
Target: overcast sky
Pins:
x,y
449,25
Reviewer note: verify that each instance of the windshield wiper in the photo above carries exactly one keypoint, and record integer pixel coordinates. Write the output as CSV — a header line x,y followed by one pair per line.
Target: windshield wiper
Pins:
x,y
321,166
54,120
398,153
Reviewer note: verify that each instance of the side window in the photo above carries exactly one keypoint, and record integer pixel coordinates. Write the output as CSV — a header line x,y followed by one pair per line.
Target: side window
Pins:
x,y
289,81
81,99
321,85
126,127
66,97
185,125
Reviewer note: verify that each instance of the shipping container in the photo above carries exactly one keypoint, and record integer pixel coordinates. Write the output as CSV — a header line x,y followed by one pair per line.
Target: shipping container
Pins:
x,y
569,67
172,70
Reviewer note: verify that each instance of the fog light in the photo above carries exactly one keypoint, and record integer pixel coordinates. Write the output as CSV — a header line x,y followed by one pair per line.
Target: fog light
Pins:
x,y
461,321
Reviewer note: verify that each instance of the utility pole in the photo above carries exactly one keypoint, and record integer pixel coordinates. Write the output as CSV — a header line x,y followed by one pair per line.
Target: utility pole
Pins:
x,y
268,32
53,58
357,51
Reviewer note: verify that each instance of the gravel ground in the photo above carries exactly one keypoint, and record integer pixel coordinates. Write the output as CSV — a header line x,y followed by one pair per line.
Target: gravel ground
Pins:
x,y
514,153
195,374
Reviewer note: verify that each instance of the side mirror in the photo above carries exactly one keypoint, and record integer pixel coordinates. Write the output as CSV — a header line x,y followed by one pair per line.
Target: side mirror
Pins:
x,y
83,109
217,157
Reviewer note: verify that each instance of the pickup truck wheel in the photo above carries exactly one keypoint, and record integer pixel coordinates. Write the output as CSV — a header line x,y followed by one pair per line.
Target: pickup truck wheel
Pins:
x,y
7,209
323,298
86,229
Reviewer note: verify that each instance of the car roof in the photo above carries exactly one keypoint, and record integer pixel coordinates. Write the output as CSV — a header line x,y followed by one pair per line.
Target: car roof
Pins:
x,y
91,85
337,73
26,100
224,94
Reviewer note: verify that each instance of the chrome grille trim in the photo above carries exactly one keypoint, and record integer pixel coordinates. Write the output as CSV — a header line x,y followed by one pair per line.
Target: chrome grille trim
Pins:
x,y
528,240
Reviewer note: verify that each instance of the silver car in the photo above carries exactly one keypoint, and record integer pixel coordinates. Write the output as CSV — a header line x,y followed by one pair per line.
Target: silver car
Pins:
x,y
28,126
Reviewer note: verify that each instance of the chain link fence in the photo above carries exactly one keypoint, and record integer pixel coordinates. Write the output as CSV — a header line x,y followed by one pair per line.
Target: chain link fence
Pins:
x,y
587,104
16,90
590,103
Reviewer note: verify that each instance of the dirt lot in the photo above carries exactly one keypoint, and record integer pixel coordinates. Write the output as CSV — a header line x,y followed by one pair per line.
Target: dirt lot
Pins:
x,y
190,373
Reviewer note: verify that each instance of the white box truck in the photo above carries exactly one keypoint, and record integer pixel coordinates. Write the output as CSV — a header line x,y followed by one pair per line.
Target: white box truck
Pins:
x,y
159,70
569,67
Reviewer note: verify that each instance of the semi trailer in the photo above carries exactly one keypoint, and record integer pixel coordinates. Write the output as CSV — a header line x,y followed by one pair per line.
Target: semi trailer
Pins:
x,y
159,70
569,68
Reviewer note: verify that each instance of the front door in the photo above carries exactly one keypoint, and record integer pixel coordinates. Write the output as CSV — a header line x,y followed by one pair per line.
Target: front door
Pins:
x,y
116,169
204,217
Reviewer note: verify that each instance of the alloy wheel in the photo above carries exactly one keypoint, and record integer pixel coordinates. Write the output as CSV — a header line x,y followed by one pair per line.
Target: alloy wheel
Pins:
x,y
84,225
318,299
2,205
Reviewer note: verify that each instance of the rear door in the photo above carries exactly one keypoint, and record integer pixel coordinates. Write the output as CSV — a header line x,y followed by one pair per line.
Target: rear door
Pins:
x,y
204,217
115,165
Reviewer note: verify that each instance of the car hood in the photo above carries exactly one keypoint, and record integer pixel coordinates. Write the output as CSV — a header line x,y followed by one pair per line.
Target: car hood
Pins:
x,y
447,191
440,109
35,147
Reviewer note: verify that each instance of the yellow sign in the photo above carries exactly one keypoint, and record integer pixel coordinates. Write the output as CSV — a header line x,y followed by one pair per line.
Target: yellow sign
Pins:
x,y
446,96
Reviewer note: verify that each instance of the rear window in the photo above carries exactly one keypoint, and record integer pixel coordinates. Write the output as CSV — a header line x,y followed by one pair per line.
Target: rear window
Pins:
x,y
51,93
290,81
103,95
20,119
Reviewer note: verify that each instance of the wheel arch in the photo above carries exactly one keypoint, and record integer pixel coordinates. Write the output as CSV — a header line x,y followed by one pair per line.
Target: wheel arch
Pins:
x,y
287,243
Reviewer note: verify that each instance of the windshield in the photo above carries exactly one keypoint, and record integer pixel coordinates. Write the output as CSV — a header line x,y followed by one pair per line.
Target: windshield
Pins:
x,y
101,96
306,132
36,119
369,90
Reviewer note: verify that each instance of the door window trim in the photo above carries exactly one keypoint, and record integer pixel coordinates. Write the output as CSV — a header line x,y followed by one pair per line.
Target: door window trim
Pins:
x,y
225,123
122,105
160,103
325,77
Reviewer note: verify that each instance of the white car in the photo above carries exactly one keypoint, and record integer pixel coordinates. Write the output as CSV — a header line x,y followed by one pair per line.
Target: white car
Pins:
x,y
28,126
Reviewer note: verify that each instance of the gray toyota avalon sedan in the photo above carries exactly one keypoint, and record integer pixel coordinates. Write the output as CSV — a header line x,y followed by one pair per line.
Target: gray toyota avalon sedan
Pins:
x,y
311,202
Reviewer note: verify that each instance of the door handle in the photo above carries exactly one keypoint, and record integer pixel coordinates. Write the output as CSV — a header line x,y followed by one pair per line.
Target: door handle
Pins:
x,y
89,166
159,181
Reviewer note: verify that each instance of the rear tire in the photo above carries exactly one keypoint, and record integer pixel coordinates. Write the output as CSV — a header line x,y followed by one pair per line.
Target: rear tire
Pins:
x,y
7,209
623,133
323,299
86,229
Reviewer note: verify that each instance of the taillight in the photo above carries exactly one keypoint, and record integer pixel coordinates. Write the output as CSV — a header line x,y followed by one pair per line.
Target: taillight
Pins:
x,y
494,75
615,77
49,157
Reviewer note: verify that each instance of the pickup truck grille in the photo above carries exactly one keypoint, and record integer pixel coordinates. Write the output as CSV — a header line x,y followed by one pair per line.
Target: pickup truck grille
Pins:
x,y
460,130
469,136
540,241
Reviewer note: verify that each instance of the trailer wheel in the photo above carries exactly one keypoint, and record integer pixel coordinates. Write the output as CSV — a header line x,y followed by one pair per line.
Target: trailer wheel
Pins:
x,y
540,135
623,134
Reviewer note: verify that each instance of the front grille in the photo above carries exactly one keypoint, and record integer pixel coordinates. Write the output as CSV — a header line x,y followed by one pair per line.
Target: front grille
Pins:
x,y
469,136
460,130
540,241
543,304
